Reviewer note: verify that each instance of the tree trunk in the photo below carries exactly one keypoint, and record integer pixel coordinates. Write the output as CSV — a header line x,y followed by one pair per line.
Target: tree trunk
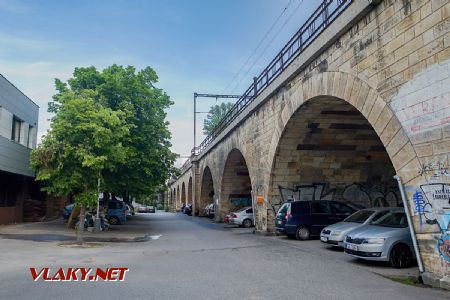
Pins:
x,y
80,228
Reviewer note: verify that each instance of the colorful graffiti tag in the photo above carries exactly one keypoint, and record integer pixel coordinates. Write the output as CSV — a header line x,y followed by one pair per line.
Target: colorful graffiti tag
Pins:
x,y
432,205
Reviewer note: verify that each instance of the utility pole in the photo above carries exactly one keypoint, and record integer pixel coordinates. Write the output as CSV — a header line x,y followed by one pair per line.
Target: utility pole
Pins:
x,y
216,96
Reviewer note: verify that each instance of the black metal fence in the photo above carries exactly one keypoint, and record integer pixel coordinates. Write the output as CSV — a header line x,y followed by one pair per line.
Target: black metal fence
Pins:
x,y
323,16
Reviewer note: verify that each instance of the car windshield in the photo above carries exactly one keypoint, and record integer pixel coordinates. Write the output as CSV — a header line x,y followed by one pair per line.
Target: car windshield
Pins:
x,y
359,217
394,219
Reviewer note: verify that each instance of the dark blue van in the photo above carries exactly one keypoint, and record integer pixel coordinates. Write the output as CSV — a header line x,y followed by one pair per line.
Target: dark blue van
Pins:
x,y
303,219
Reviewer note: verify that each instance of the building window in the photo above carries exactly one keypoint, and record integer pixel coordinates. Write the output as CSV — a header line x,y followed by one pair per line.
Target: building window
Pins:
x,y
16,128
30,137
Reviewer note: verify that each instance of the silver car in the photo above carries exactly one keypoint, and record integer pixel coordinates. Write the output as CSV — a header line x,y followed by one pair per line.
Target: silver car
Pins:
x,y
243,217
387,239
334,234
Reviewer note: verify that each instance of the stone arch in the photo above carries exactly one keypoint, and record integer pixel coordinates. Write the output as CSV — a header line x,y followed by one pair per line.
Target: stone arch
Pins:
x,y
362,101
183,194
177,196
353,90
236,184
207,190
189,191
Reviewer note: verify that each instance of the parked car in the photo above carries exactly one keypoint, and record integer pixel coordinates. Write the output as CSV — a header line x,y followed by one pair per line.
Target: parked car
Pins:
x,y
334,234
142,209
67,211
151,209
386,239
209,210
128,211
303,219
227,217
116,211
188,209
243,217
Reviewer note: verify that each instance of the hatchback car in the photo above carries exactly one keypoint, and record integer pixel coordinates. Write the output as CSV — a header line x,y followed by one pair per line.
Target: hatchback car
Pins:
x,y
386,239
334,234
303,219
188,209
243,217
209,210
128,211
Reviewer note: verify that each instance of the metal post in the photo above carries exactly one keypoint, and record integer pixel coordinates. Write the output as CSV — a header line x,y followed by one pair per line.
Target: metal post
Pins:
x,y
410,223
253,209
98,223
195,119
255,85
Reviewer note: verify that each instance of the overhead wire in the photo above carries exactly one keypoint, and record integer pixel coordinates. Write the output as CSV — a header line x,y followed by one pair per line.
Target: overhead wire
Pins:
x,y
236,75
268,45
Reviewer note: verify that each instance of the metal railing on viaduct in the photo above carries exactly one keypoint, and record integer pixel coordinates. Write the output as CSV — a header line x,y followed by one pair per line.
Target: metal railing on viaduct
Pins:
x,y
322,18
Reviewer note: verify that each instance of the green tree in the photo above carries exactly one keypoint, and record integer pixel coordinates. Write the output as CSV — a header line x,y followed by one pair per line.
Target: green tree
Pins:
x,y
214,116
84,143
149,159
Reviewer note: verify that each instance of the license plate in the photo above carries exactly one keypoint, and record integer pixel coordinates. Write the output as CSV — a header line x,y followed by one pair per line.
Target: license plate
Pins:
x,y
324,239
352,247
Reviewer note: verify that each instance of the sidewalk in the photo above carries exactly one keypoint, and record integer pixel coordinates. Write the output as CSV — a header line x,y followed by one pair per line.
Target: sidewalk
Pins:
x,y
134,230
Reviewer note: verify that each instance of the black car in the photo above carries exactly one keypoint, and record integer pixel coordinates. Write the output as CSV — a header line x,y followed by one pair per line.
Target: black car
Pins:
x,y
188,209
302,219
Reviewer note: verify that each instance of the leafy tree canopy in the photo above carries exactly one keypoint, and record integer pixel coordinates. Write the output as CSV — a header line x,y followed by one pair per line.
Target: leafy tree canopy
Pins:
x,y
132,93
85,140
214,116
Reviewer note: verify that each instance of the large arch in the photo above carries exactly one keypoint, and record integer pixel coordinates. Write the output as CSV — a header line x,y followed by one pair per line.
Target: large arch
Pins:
x,y
339,141
207,190
189,191
183,198
177,196
236,186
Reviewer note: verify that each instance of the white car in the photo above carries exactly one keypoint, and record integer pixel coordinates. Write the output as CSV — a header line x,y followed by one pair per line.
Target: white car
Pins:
x,y
243,217
334,234
387,239
128,211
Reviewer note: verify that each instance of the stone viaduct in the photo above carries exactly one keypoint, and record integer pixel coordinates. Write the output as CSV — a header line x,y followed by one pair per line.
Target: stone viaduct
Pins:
x,y
368,98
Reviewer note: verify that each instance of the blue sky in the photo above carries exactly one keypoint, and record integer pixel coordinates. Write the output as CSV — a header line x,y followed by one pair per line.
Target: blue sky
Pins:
x,y
194,46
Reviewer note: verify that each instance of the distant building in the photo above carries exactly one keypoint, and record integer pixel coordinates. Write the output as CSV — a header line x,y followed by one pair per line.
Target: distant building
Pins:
x,y
18,136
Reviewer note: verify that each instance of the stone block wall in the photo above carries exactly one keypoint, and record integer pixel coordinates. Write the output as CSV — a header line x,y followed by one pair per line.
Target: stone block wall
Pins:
x,y
393,66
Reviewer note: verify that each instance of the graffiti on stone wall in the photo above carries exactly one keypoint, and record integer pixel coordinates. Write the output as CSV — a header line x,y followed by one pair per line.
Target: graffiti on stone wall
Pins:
x,y
373,194
361,194
434,170
432,205
423,103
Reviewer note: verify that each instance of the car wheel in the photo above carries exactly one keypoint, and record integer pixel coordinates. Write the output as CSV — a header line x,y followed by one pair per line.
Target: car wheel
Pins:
x,y
247,223
302,233
400,256
113,220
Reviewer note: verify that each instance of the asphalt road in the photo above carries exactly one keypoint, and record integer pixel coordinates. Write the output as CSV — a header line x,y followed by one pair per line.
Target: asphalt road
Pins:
x,y
193,258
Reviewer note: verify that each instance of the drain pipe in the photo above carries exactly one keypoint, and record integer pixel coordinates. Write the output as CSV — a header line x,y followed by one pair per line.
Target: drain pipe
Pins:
x,y
410,223
253,210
